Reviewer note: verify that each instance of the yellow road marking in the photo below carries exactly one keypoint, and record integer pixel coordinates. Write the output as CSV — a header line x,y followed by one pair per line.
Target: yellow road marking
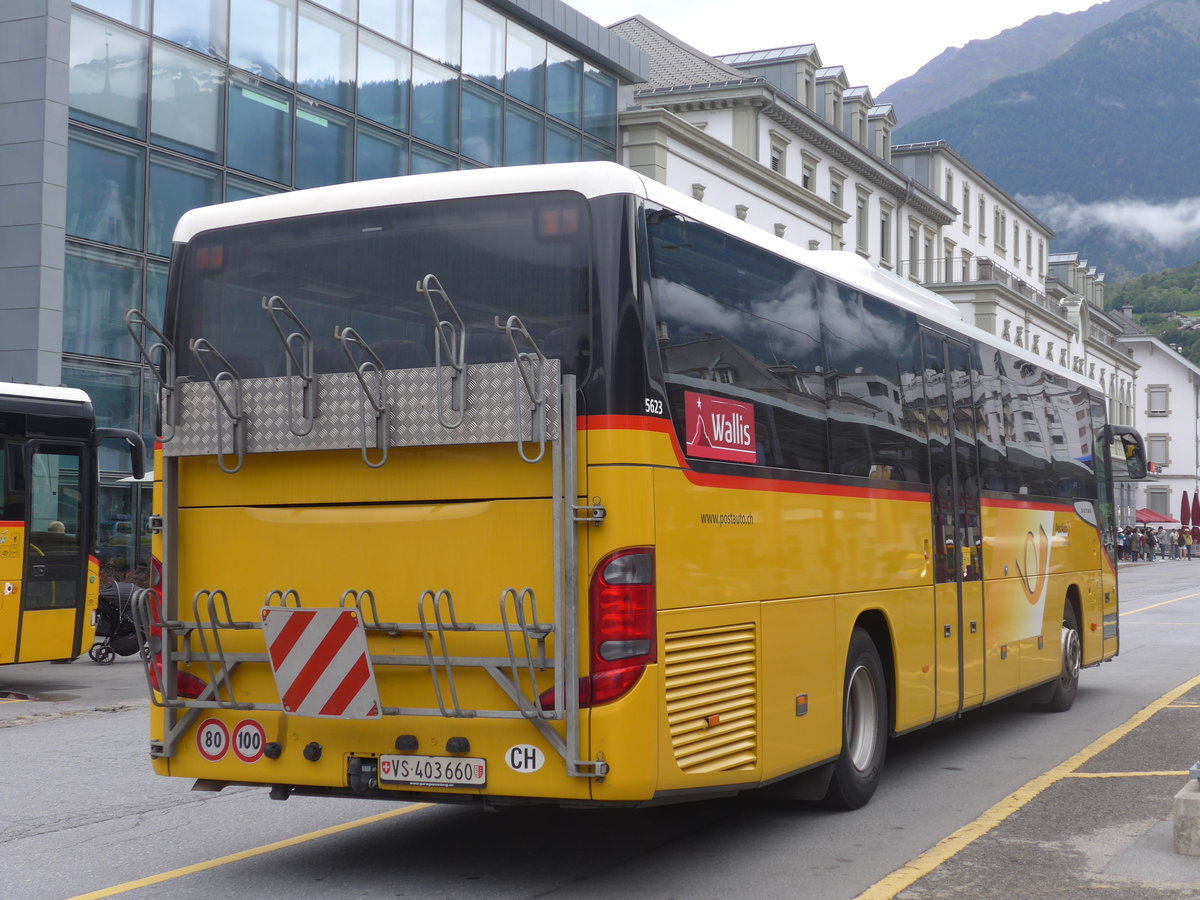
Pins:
x,y
247,854
1182,772
946,848
1134,612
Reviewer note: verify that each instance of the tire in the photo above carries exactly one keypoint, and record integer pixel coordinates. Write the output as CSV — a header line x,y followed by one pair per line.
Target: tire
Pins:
x,y
1059,695
102,654
864,727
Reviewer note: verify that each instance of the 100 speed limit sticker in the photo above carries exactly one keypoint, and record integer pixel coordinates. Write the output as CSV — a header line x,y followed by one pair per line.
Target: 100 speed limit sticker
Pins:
x,y
249,740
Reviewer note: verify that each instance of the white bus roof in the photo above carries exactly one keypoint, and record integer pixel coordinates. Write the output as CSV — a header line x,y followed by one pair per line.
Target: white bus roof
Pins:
x,y
591,179
43,392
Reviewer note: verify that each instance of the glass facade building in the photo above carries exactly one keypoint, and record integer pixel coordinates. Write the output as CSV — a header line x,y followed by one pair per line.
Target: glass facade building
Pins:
x,y
174,104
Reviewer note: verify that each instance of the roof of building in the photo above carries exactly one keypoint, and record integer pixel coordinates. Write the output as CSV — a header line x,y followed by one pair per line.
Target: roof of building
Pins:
x,y
778,54
672,62
577,31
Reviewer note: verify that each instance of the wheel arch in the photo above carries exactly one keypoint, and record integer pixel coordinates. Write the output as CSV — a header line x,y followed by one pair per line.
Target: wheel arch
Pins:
x,y
875,624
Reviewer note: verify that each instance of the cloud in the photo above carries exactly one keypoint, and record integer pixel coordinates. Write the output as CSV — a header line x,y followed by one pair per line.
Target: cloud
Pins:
x,y
1170,225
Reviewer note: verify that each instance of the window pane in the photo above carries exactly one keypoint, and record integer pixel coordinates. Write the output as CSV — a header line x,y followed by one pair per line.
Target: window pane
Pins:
x,y
114,394
526,66
380,155
390,17
600,104
384,79
131,12
200,25
562,144
156,296
261,37
426,160
563,79
594,151
108,75
260,131
187,104
523,137
325,61
98,287
104,190
437,29
483,44
347,8
175,187
481,124
323,147
435,104
243,188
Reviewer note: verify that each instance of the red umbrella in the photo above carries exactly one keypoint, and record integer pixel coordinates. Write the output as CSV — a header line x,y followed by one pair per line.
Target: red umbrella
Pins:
x,y
1195,517
1185,511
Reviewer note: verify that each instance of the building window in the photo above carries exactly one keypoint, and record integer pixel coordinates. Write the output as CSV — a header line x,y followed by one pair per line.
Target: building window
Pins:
x,y
104,201
107,81
1159,501
966,208
885,234
982,218
262,37
949,186
1016,243
861,240
1158,448
808,177
1158,400
836,191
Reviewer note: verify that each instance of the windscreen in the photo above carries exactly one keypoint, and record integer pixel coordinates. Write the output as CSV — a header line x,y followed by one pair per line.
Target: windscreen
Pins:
x,y
523,255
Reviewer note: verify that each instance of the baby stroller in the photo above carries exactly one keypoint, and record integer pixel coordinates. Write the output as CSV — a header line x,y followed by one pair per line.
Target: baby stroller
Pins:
x,y
115,632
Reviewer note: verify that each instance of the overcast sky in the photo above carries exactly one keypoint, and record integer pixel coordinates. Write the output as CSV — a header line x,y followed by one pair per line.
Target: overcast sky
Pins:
x,y
878,41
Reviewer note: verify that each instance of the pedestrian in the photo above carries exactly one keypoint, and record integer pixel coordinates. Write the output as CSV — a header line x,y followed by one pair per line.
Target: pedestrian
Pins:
x,y
1187,541
1173,537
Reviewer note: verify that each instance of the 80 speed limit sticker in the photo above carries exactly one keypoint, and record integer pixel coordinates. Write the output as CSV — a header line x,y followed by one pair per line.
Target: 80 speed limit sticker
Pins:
x,y
212,739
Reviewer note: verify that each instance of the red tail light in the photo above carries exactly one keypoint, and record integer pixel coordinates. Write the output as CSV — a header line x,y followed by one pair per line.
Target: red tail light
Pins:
x,y
622,625
187,685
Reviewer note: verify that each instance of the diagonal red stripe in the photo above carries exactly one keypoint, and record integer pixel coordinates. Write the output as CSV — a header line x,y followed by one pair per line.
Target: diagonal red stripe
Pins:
x,y
293,627
348,689
314,668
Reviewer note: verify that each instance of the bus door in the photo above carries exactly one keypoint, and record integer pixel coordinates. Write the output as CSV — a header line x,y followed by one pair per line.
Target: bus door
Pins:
x,y
950,385
54,583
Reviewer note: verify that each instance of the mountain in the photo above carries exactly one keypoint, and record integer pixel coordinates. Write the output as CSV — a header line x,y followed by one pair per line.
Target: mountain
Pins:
x,y
1100,143
1167,304
959,72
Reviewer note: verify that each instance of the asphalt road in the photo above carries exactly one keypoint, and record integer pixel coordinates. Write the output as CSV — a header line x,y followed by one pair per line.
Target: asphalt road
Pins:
x,y
1003,802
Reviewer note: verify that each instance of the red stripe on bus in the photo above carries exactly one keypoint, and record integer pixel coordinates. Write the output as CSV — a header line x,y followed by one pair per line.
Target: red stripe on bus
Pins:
x,y
288,635
13,524
348,689
314,668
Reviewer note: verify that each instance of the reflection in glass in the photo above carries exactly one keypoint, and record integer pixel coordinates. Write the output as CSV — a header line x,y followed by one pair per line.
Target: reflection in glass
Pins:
x,y
104,189
113,390
526,66
347,8
260,131
131,12
594,151
523,137
562,144
244,188
200,25
175,187
380,155
98,287
426,160
108,75
564,75
156,294
600,104
390,17
384,79
187,104
435,104
262,36
323,147
437,29
482,123
483,44
325,60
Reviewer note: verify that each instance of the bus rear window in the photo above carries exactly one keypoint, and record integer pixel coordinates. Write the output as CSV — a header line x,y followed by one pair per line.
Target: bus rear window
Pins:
x,y
495,257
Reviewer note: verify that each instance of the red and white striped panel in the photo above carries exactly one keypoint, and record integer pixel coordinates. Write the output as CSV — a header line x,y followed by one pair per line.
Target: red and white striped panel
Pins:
x,y
321,664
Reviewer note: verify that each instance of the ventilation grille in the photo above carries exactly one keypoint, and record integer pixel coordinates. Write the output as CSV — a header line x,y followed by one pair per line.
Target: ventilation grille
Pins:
x,y
711,697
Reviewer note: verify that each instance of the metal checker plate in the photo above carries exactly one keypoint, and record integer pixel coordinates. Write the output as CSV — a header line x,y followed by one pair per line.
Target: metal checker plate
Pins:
x,y
343,417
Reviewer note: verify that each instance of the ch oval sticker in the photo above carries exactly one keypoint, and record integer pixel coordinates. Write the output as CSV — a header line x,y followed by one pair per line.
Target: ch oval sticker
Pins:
x,y
524,758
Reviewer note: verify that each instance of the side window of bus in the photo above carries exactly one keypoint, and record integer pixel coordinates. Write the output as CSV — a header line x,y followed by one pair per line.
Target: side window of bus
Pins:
x,y
738,326
873,387
995,428
1073,470
1029,445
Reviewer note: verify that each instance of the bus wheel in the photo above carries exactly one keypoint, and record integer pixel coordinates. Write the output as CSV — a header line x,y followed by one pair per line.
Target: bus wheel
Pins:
x,y
1059,695
864,727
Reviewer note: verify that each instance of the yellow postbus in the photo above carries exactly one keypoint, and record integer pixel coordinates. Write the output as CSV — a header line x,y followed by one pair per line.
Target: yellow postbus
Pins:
x,y
49,574
549,484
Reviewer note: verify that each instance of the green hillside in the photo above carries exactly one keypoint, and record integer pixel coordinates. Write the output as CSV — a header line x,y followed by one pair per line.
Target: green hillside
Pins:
x,y
1161,303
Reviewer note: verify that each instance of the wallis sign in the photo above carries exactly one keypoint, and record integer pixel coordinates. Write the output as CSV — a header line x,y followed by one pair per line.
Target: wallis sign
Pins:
x,y
719,429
